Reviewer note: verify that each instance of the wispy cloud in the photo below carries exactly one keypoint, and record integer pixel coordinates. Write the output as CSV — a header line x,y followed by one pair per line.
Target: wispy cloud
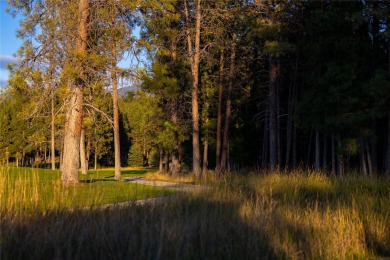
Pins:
x,y
5,59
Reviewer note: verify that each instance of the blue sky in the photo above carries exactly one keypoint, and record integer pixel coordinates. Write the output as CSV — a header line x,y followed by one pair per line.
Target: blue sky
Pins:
x,y
9,43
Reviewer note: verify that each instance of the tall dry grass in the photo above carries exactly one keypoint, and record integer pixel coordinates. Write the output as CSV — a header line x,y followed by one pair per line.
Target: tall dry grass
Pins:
x,y
296,215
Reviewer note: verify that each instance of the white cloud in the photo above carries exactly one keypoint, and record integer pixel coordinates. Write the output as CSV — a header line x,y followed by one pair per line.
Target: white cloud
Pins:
x,y
5,59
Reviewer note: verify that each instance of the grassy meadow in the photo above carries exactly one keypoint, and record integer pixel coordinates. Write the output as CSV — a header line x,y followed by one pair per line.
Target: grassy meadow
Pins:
x,y
32,188
296,215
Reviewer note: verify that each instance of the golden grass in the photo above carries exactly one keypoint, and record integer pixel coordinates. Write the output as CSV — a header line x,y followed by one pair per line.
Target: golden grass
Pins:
x,y
296,215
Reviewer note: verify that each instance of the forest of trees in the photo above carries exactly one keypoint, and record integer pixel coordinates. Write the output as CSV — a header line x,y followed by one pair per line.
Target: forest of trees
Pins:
x,y
225,85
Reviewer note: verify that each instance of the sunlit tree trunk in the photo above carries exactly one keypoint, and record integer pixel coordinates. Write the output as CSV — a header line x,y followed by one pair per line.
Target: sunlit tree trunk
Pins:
x,y
117,148
194,53
95,158
52,150
83,160
166,161
74,116
161,162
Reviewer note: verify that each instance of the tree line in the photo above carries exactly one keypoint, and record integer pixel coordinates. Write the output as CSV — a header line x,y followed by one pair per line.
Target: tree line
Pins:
x,y
227,85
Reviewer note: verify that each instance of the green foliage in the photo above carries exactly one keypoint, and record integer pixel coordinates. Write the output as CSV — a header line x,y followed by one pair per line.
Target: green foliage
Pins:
x,y
136,158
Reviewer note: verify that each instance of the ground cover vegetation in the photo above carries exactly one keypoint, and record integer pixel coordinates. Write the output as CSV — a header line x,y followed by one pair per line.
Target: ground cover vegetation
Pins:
x,y
298,215
25,189
298,90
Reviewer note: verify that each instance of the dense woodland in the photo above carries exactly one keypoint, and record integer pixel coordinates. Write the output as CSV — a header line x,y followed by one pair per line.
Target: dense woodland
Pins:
x,y
220,85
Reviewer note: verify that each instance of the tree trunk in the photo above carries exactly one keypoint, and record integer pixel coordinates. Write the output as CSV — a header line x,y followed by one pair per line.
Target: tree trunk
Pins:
x,y
45,155
219,117
373,148
161,162
83,160
73,127
205,157
225,148
206,137
325,153
317,151
333,155
95,159
289,128
53,152
23,157
294,152
273,74
176,165
387,153
363,160
75,107
194,58
291,99
61,159
166,161
369,161
278,141
88,152
340,160
264,158
117,148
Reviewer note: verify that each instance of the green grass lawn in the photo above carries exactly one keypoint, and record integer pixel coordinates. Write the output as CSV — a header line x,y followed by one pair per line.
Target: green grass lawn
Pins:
x,y
28,187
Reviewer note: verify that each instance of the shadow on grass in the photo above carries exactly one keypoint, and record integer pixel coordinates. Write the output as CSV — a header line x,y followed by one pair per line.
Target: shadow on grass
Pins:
x,y
95,180
127,173
188,228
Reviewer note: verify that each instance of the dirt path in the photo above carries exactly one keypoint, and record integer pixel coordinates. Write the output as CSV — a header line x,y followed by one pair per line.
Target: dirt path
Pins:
x,y
173,185
157,200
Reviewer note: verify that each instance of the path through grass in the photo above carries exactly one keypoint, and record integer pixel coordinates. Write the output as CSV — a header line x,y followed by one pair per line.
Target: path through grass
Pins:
x,y
42,188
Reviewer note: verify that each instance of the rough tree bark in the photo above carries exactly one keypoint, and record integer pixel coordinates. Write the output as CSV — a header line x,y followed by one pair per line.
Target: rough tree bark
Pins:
x,y
52,149
74,116
161,162
194,54
117,147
